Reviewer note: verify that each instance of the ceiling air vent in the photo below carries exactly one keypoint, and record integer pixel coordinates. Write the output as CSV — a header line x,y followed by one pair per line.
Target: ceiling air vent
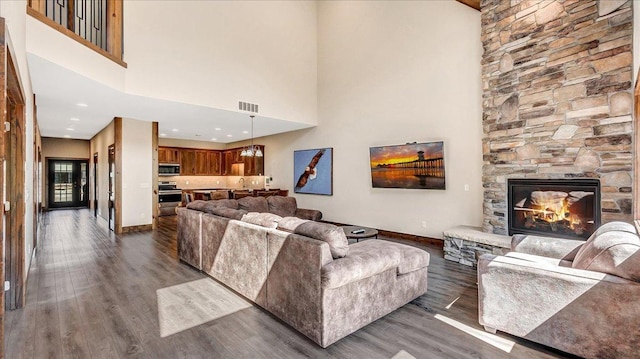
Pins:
x,y
245,106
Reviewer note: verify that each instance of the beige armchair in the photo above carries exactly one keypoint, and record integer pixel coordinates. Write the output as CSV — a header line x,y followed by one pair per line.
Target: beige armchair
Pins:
x,y
579,297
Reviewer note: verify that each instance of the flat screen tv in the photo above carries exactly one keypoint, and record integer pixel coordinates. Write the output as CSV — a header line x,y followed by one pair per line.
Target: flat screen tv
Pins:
x,y
413,166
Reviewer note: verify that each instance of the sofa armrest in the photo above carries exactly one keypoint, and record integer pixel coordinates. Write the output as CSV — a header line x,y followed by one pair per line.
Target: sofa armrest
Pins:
x,y
559,248
578,311
294,291
311,214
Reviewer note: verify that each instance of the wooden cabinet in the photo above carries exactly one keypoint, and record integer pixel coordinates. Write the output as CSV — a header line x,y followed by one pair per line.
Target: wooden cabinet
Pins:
x,y
187,162
200,162
215,161
168,155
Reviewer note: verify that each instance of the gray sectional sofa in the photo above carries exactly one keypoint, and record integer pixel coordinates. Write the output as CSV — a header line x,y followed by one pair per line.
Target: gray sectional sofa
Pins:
x,y
576,296
302,271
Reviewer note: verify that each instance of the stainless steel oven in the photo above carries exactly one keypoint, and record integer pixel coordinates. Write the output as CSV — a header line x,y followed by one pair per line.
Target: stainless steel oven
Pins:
x,y
169,197
169,169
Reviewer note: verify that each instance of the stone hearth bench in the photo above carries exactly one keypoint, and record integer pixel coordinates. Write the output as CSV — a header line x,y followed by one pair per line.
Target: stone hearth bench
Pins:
x,y
464,244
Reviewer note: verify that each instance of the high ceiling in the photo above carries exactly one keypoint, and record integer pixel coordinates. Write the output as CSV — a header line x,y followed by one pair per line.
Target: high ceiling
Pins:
x,y
59,91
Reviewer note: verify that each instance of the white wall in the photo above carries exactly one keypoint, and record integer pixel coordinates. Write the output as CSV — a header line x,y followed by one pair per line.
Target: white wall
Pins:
x,y
65,148
137,170
261,52
222,52
391,73
14,13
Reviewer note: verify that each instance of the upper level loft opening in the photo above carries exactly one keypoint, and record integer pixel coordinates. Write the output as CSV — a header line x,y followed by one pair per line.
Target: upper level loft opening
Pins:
x,y
96,24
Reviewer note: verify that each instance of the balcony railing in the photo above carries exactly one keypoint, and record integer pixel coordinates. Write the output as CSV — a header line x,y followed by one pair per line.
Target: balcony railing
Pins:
x,y
95,23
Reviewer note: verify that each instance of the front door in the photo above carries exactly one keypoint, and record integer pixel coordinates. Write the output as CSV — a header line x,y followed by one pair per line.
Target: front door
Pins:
x,y
68,183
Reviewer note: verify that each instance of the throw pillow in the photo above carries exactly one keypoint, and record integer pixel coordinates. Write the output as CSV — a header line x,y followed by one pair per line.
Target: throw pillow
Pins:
x,y
282,206
197,205
253,204
267,220
614,252
334,235
227,212
226,203
289,224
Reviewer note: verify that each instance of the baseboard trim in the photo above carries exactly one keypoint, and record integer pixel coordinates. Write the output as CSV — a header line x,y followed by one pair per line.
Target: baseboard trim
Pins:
x,y
397,235
140,228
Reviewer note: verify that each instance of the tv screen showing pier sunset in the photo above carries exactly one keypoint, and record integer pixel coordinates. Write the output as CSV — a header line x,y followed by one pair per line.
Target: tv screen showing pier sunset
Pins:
x,y
415,165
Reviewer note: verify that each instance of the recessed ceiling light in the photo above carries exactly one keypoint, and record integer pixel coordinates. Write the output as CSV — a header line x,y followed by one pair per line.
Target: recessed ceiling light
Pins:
x,y
70,129
67,136
175,130
74,119
163,135
245,131
229,135
218,129
214,139
80,104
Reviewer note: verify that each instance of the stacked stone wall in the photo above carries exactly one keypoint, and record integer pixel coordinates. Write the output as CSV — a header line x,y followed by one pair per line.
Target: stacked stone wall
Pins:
x,y
557,99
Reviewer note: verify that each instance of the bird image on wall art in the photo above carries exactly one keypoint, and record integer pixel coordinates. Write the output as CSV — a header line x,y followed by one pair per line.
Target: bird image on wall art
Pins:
x,y
310,171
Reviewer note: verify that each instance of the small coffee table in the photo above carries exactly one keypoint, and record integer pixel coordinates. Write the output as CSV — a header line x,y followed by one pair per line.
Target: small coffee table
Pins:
x,y
368,232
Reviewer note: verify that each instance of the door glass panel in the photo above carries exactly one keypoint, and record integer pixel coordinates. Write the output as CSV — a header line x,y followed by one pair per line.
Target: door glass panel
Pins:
x,y
63,182
83,182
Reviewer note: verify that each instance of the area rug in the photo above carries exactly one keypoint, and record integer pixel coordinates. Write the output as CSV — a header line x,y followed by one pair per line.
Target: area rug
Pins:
x,y
190,304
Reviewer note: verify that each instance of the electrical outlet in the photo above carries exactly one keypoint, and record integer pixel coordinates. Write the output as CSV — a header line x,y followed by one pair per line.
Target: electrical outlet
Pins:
x,y
466,187
217,182
424,224
186,182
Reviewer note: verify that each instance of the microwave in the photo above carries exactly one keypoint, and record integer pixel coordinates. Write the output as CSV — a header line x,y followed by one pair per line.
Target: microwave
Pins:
x,y
169,169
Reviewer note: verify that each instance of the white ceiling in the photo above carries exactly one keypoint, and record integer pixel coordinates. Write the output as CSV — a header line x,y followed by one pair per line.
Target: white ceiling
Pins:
x,y
59,90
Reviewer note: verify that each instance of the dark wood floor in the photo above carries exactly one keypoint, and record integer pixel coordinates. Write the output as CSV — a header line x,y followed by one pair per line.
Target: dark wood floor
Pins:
x,y
92,294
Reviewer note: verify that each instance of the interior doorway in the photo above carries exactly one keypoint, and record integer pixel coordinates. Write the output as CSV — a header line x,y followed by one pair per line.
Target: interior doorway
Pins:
x,y
95,184
68,183
112,187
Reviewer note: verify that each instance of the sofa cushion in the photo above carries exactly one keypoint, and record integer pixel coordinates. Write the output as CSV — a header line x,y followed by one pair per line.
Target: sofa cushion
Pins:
x,y
282,206
226,203
253,204
227,212
333,235
412,258
197,205
365,259
289,224
267,220
613,252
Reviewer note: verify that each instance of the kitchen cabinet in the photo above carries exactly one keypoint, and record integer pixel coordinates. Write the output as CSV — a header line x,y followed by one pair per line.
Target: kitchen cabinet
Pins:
x,y
168,155
187,162
202,162
215,161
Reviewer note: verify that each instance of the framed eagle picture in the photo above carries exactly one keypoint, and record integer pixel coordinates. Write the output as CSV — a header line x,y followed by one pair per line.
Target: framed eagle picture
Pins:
x,y
313,171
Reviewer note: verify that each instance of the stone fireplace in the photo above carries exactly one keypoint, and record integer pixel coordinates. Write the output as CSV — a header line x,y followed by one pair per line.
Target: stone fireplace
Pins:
x,y
557,104
565,208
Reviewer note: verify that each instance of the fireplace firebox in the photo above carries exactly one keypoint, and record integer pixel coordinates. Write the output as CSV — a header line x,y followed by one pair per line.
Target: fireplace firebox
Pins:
x,y
568,208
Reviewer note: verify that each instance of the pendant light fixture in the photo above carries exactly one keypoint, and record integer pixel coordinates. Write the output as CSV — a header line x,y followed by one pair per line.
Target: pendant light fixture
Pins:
x,y
251,151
